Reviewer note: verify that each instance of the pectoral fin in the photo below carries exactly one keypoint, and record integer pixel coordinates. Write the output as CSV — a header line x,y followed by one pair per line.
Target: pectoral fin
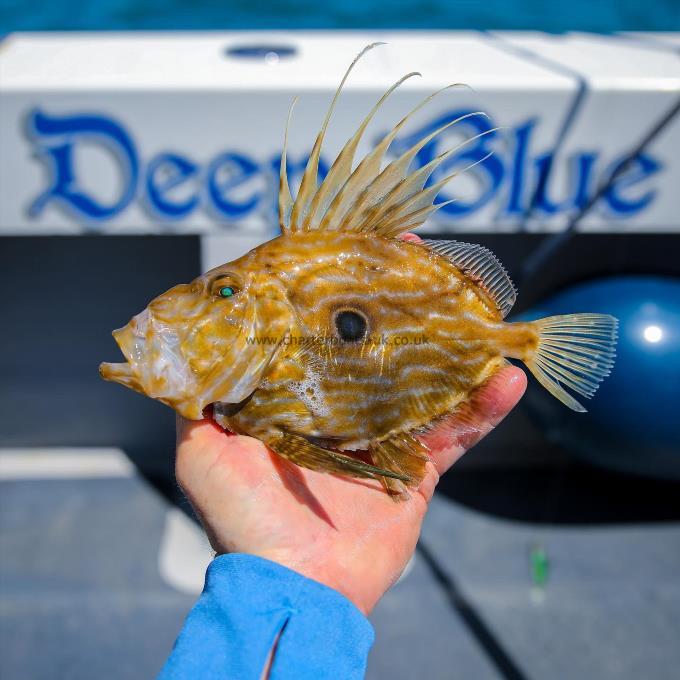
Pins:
x,y
236,375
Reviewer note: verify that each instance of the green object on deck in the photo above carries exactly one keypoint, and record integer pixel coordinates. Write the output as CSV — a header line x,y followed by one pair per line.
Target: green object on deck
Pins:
x,y
540,566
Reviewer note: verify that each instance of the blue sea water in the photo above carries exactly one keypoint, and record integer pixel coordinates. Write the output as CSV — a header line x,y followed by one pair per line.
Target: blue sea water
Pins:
x,y
545,15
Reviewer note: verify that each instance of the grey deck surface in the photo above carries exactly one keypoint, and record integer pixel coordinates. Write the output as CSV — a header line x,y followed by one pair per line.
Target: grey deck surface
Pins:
x,y
82,597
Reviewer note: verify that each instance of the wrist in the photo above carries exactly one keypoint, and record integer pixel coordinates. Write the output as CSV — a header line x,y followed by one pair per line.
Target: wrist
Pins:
x,y
348,585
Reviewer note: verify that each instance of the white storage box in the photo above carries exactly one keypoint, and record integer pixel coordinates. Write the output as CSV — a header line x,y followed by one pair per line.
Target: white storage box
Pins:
x,y
167,132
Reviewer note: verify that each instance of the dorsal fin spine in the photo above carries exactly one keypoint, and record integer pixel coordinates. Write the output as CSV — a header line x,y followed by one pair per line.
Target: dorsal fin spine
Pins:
x,y
393,174
368,198
389,211
342,166
309,178
412,186
369,167
413,220
285,198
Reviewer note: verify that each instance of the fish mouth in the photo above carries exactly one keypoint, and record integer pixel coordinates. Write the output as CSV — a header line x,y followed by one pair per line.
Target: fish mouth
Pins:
x,y
124,372
115,372
154,367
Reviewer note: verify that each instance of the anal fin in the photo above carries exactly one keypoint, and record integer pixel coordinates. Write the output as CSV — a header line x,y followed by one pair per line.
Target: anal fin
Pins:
x,y
402,454
302,452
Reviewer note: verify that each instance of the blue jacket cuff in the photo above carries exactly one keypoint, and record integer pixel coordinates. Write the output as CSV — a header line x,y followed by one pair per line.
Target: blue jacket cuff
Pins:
x,y
246,602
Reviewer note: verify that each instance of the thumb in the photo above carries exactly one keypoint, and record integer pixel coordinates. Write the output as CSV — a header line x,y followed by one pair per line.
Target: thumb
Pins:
x,y
471,421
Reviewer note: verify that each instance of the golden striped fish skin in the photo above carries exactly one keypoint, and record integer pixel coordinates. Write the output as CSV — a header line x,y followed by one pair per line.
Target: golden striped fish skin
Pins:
x,y
432,336
339,336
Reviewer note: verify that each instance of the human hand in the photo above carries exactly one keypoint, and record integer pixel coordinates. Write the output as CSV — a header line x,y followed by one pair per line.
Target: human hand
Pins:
x,y
347,534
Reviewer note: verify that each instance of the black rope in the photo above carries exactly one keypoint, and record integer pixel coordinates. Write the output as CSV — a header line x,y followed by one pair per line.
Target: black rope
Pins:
x,y
554,243
500,658
569,119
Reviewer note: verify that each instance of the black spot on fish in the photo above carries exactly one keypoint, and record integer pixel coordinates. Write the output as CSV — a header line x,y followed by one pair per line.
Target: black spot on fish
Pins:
x,y
351,325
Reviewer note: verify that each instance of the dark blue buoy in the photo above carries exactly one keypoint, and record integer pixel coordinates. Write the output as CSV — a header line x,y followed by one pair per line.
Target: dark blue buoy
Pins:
x,y
633,421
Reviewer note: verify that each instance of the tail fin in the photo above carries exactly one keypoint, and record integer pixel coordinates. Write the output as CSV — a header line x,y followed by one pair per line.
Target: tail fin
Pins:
x,y
576,350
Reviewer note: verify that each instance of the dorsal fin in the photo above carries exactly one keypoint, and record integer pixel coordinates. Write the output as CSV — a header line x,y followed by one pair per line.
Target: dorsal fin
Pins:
x,y
368,198
481,264
285,199
308,185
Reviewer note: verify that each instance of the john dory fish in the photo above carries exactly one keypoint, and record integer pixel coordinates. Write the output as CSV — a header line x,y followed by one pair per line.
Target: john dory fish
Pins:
x,y
339,336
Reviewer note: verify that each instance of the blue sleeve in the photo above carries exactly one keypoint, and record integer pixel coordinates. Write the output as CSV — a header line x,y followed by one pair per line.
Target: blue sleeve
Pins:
x,y
246,602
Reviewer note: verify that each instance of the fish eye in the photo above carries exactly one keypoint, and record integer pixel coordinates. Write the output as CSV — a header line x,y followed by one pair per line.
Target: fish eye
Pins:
x,y
223,287
351,325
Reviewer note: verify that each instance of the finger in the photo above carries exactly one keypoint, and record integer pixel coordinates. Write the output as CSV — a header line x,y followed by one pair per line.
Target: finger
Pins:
x,y
471,422
180,427
194,451
205,451
408,236
429,482
201,442
204,430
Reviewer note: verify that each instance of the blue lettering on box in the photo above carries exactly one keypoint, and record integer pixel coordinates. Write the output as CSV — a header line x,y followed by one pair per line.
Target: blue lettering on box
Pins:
x,y
64,133
234,186
619,197
168,171
239,170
